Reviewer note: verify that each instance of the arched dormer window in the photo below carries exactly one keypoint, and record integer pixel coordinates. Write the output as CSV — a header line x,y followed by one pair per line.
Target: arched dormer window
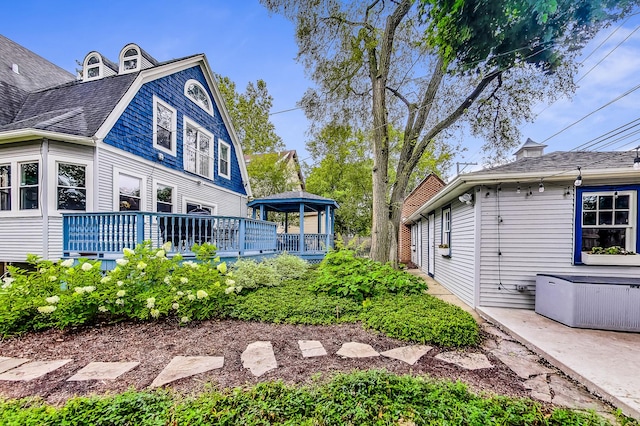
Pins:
x,y
130,59
194,91
93,67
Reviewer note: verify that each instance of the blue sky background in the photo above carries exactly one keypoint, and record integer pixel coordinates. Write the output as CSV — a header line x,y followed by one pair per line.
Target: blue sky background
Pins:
x,y
244,42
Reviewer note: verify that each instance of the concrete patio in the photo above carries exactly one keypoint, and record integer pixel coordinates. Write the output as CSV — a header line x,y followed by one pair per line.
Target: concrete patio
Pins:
x,y
606,362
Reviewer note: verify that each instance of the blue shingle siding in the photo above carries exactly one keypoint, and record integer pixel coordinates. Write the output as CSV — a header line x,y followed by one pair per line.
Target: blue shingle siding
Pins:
x,y
133,132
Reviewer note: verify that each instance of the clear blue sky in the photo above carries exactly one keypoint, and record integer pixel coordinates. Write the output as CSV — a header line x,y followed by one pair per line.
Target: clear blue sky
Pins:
x,y
242,41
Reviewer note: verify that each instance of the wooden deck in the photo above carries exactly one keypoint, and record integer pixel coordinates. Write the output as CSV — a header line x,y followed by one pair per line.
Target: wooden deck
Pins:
x,y
105,235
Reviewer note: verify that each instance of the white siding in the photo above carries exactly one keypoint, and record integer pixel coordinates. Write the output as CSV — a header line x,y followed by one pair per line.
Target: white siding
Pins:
x,y
228,203
457,273
69,150
20,236
536,235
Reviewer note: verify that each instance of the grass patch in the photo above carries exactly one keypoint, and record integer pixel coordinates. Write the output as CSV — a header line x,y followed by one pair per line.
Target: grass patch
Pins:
x,y
360,398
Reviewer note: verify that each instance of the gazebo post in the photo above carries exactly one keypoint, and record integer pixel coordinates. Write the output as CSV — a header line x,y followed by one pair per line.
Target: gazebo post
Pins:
x,y
286,222
301,242
327,215
319,222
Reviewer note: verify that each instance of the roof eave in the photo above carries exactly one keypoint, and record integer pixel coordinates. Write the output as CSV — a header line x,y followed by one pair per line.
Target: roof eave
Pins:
x,y
22,135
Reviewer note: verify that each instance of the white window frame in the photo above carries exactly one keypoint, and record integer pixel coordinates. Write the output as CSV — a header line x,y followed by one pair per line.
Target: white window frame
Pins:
x,y
174,126
10,186
54,161
174,195
213,207
116,189
199,130
630,232
222,143
86,66
195,101
138,58
15,163
446,227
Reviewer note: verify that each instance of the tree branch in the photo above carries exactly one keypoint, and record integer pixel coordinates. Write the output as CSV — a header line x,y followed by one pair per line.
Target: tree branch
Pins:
x,y
401,97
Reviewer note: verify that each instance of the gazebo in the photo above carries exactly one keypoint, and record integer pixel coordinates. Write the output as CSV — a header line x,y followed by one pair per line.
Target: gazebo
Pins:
x,y
310,245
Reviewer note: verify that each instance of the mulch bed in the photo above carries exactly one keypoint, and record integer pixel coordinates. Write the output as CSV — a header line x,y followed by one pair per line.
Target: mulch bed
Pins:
x,y
154,344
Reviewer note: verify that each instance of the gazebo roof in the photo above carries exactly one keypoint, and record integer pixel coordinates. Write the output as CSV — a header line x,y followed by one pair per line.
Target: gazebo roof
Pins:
x,y
289,202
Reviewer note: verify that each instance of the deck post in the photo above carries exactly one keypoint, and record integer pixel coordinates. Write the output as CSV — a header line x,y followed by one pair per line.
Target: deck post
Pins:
x,y
301,242
327,217
241,236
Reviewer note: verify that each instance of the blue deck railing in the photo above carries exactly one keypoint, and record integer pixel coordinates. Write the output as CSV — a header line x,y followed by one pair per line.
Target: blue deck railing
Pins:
x,y
105,235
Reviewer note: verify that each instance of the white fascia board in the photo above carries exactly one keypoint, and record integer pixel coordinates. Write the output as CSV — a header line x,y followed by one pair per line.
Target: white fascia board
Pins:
x,y
462,183
155,73
11,136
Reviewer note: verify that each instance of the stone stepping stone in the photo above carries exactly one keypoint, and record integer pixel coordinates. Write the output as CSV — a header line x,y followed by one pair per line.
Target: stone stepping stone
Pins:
x,y
259,358
522,366
186,366
32,370
567,394
357,350
468,361
539,388
408,354
7,363
102,371
311,348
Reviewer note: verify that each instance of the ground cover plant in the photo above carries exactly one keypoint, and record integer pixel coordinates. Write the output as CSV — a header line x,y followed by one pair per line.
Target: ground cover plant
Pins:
x,y
358,398
147,285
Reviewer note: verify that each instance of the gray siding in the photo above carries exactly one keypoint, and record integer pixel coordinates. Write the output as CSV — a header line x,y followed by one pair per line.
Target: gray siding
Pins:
x,y
229,204
457,273
535,236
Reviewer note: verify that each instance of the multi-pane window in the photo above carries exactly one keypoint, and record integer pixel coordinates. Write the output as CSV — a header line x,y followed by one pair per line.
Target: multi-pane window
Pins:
x,y
200,208
29,186
164,199
164,126
5,187
129,190
446,227
130,60
197,151
71,189
224,159
196,92
608,220
92,68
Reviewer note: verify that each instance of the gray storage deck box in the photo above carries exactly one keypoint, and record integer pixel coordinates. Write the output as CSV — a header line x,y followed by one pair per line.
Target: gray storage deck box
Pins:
x,y
604,303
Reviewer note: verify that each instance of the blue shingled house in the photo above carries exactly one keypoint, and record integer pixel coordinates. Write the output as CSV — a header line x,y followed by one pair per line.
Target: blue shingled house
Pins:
x,y
125,152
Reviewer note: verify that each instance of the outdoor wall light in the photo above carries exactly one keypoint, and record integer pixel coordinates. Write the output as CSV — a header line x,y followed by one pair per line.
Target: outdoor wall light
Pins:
x,y
578,181
541,186
466,198
518,189
636,161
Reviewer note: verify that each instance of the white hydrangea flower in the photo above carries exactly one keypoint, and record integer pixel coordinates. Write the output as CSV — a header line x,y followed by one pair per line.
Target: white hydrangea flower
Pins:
x,y
190,263
229,290
166,246
222,268
230,282
184,319
160,253
128,252
8,280
191,297
86,266
6,286
119,283
151,302
79,290
180,293
46,309
155,313
175,306
67,263
167,279
52,300
141,265
184,280
201,294
102,309
122,262
52,278
89,289
121,293
105,280
119,302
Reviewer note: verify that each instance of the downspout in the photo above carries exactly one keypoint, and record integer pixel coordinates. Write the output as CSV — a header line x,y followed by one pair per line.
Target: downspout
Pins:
x,y
96,174
44,204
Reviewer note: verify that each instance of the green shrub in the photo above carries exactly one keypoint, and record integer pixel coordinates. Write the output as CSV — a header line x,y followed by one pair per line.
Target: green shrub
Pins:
x,y
345,274
422,319
271,272
359,398
289,267
294,303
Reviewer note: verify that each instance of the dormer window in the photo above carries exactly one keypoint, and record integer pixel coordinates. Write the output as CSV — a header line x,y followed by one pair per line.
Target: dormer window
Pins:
x,y
130,59
194,91
93,67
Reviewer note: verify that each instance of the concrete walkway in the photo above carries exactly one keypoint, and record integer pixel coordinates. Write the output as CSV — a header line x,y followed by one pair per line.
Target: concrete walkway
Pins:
x,y
606,362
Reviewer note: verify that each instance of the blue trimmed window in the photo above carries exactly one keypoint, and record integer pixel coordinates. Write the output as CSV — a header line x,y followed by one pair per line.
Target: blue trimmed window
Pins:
x,y
606,216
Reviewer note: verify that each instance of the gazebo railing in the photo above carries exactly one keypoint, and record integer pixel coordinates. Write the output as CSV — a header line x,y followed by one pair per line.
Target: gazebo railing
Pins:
x,y
313,243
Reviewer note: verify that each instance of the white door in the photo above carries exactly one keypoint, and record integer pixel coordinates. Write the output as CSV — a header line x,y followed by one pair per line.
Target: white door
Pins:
x,y
414,231
431,249
418,240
